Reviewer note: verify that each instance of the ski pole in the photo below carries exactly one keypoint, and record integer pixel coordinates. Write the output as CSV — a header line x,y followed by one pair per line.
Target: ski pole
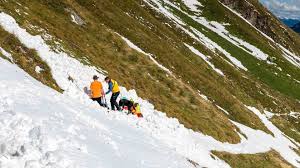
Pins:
x,y
105,102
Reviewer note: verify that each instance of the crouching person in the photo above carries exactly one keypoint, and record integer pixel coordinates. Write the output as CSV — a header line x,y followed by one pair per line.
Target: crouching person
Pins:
x,y
136,110
133,108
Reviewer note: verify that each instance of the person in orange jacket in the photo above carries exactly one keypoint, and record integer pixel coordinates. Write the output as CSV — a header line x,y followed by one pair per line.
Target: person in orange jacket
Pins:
x,y
97,92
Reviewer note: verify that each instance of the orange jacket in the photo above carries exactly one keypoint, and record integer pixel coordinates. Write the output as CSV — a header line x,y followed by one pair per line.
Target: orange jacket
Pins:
x,y
96,89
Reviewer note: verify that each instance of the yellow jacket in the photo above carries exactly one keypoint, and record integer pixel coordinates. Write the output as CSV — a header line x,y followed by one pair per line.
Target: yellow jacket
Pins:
x,y
115,86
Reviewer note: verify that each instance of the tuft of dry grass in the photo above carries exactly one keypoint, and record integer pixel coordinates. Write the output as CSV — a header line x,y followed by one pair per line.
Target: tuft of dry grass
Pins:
x,y
269,159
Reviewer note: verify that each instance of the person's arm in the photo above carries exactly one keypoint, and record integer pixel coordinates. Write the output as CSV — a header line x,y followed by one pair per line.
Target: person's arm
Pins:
x,y
91,91
102,91
110,86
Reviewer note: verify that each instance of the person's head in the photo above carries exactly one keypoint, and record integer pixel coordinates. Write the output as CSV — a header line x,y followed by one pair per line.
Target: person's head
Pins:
x,y
95,77
107,79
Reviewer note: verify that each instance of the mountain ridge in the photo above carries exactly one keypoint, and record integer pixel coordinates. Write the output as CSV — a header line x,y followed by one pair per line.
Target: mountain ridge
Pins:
x,y
289,22
296,27
294,24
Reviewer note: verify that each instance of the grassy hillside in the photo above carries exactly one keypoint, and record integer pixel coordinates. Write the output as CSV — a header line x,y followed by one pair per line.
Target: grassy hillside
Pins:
x,y
96,42
262,160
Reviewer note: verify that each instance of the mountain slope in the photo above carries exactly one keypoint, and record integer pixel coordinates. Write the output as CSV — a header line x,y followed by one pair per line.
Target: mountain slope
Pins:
x,y
202,63
290,22
296,27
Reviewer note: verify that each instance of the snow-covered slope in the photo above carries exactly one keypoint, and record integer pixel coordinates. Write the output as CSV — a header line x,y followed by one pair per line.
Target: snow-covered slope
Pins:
x,y
43,128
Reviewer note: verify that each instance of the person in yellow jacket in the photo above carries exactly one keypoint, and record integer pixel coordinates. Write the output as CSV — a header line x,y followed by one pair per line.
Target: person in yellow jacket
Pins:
x,y
97,92
114,88
136,110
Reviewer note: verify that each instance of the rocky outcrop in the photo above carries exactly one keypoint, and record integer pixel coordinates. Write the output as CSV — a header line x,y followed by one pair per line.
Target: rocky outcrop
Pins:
x,y
262,21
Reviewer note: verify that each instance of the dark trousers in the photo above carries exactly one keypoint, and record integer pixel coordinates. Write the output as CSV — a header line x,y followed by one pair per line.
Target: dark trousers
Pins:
x,y
99,100
113,101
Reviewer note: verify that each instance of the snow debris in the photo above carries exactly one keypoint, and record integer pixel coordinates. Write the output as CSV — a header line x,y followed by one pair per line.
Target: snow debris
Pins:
x,y
226,112
268,114
289,56
293,114
6,54
193,5
206,59
38,69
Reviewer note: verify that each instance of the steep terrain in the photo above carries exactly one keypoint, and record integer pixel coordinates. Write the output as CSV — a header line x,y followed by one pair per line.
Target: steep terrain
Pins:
x,y
296,27
202,62
294,24
290,22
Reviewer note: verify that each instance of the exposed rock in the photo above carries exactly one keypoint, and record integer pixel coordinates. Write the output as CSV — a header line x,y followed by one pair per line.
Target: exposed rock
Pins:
x,y
75,17
260,18
249,12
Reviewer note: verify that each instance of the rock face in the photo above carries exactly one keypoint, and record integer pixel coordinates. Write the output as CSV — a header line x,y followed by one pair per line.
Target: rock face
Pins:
x,y
263,20
249,12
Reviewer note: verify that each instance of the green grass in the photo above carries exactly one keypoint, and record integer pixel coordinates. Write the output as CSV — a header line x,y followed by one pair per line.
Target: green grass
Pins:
x,y
269,159
258,68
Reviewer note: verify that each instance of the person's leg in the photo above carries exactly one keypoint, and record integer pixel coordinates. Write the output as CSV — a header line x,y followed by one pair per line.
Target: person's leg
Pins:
x,y
99,101
113,101
116,103
103,102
